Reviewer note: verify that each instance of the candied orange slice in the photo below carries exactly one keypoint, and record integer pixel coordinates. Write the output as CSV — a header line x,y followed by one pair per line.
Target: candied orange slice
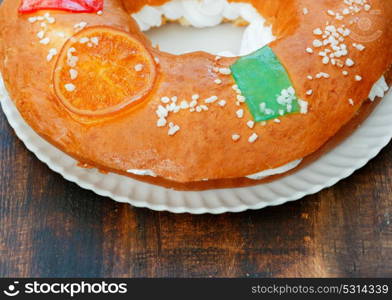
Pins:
x,y
102,70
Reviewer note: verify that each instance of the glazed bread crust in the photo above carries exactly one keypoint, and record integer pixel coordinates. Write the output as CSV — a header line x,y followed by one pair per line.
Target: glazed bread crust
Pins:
x,y
203,148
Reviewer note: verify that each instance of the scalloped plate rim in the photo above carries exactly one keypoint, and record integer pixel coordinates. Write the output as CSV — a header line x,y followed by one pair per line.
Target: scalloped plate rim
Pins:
x,y
17,123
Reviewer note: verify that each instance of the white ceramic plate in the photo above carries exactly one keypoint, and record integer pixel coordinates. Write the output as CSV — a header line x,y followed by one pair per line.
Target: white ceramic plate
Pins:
x,y
341,162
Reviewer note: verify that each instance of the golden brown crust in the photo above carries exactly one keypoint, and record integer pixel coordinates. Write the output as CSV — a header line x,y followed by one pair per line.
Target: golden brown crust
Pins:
x,y
203,147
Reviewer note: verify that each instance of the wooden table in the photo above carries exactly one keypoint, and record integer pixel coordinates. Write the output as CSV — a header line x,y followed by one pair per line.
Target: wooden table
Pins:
x,y
51,228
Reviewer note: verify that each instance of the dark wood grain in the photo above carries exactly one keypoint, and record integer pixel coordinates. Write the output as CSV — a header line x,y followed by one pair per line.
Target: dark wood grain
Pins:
x,y
51,228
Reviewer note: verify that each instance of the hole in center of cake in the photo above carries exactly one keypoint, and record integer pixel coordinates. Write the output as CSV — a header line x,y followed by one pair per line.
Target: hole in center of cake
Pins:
x,y
218,27
223,39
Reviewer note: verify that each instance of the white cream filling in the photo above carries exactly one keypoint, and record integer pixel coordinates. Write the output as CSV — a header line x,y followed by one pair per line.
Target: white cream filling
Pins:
x,y
280,170
257,176
142,172
209,13
379,89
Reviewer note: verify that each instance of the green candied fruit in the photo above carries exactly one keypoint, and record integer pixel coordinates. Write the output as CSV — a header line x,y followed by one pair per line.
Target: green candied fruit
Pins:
x,y
265,84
